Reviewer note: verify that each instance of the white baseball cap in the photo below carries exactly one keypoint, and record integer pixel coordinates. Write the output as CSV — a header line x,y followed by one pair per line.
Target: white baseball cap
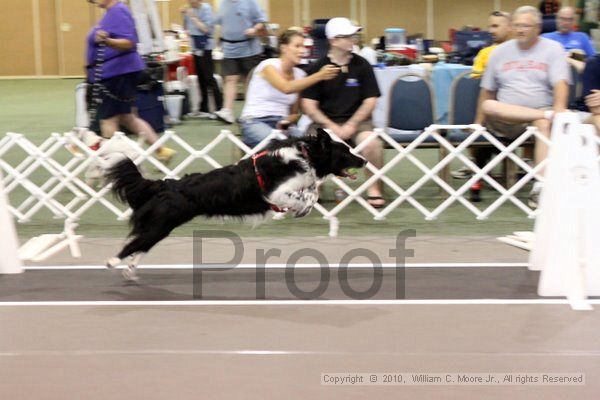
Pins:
x,y
340,27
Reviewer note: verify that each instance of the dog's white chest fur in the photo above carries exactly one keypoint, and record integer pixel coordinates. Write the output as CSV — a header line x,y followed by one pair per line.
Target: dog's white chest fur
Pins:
x,y
298,194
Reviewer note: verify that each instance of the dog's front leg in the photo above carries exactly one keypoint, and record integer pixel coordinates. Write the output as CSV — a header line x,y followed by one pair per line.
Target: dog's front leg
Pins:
x,y
299,202
113,262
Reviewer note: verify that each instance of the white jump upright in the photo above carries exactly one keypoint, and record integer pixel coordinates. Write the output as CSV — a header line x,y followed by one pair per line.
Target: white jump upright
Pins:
x,y
9,259
565,247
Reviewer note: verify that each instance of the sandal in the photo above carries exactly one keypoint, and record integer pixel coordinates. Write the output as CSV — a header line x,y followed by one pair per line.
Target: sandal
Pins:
x,y
374,201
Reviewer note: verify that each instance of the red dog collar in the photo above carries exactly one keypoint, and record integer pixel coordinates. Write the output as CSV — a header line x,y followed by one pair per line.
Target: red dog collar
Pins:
x,y
261,180
95,147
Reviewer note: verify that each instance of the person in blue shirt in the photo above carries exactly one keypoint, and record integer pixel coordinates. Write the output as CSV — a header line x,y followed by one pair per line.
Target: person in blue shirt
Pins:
x,y
198,22
565,34
242,21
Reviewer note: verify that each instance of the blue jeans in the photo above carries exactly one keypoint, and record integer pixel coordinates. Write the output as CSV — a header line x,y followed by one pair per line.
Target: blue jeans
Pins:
x,y
254,130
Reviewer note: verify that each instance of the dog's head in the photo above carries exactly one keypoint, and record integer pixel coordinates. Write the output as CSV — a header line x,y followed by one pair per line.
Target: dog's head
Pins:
x,y
332,156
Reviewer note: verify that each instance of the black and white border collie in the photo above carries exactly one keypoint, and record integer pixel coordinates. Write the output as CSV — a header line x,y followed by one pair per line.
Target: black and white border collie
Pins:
x,y
283,178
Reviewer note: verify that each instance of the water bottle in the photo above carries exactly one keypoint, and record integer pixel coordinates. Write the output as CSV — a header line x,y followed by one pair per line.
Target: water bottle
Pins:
x,y
380,59
339,195
420,49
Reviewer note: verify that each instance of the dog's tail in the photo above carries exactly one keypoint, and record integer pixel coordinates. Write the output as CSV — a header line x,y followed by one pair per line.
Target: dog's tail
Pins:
x,y
130,186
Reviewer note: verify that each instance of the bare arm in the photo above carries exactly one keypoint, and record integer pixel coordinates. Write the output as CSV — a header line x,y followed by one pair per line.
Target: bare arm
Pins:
x,y
592,100
294,113
484,95
251,32
364,111
283,85
561,96
311,108
579,65
196,21
117,44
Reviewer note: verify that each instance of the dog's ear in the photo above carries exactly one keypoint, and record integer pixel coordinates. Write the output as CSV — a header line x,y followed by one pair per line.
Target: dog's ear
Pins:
x,y
323,137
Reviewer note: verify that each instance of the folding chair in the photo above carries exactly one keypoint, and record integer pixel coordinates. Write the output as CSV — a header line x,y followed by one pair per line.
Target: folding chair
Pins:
x,y
411,110
464,99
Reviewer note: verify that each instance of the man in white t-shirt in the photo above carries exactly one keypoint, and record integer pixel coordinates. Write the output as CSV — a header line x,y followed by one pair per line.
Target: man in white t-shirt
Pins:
x,y
525,83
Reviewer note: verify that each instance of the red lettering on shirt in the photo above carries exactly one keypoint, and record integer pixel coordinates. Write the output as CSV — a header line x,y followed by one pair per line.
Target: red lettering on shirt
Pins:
x,y
524,65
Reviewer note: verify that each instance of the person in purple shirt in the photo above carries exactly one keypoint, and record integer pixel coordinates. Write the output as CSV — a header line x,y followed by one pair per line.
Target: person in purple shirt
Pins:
x,y
113,66
565,34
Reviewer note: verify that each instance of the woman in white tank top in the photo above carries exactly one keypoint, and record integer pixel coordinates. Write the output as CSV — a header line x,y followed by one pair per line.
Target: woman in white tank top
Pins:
x,y
272,95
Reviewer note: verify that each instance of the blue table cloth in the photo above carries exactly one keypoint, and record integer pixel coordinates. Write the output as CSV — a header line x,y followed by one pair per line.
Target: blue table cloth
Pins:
x,y
442,76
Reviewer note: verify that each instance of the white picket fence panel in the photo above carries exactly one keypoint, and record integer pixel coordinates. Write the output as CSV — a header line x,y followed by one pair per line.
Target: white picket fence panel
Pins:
x,y
68,177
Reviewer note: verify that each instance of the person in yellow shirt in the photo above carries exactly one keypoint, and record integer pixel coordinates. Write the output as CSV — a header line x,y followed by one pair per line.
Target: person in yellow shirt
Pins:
x,y
500,29
481,61
499,26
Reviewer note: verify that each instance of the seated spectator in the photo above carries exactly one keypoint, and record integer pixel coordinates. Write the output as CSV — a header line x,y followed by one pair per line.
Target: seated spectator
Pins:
x,y
272,99
500,29
572,41
589,103
526,83
344,104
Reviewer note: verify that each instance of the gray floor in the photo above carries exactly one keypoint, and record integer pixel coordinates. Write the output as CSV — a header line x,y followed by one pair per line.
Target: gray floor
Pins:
x,y
186,250
275,350
278,284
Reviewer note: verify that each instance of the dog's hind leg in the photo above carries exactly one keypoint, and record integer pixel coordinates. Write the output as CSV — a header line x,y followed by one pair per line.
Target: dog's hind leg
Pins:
x,y
130,272
142,243
130,248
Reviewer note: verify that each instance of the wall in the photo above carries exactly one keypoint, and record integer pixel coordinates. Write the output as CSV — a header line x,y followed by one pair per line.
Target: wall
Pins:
x,y
47,37
17,42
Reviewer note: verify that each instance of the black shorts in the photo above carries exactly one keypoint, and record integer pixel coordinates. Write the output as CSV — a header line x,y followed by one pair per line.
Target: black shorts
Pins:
x,y
239,66
123,89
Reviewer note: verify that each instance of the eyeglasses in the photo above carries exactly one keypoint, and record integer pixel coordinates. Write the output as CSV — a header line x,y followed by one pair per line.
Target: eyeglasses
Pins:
x,y
523,26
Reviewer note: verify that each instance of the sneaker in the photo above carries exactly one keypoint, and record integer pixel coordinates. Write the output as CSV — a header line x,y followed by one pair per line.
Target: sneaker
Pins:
x,y
339,195
534,197
165,154
225,115
475,192
202,115
462,173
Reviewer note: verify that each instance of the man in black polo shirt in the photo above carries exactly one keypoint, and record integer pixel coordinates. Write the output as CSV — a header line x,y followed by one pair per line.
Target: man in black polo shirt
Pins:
x,y
344,104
